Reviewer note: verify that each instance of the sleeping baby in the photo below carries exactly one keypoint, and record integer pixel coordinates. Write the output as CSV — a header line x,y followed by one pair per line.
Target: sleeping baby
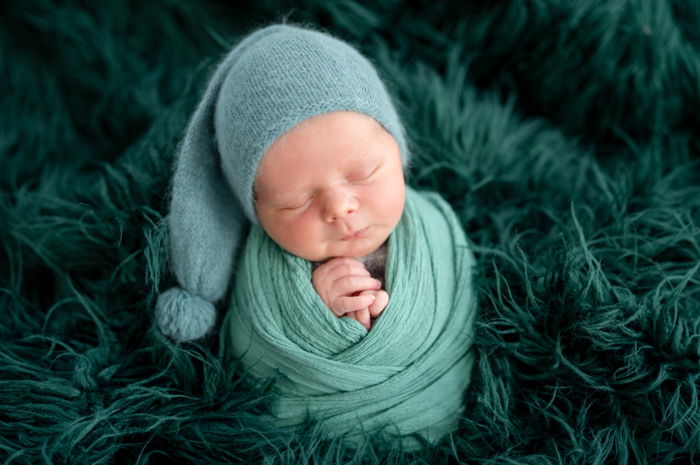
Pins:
x,y
351,288
317,195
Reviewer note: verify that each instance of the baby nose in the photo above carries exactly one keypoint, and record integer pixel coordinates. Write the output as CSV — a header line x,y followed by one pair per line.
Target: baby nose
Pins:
x,y
339,206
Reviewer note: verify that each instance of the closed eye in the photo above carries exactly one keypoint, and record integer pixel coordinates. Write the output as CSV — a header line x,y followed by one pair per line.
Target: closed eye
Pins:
x,y
296,206
365,177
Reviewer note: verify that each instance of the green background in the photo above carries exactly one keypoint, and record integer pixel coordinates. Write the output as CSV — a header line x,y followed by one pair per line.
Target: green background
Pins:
x,y
564,134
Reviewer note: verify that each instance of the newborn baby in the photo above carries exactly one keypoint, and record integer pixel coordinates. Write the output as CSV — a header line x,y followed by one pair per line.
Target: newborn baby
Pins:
x,y
290,180
330,190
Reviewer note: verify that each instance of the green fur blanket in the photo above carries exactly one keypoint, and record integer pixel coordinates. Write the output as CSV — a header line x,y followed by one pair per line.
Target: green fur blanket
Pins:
x,y
562,133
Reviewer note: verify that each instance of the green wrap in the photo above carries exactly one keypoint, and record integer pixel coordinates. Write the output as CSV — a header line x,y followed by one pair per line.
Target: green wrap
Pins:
x,y
407,375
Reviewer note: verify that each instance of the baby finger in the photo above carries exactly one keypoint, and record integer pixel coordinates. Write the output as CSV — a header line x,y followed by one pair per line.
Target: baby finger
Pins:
x,y
345,304
351,284
363,317
338,262
347,269
379,304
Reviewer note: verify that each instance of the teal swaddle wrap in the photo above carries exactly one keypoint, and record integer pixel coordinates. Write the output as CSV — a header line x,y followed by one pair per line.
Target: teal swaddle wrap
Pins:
x,y
407,375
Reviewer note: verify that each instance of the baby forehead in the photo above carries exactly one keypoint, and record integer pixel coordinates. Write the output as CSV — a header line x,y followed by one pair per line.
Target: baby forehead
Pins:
x,y
286,172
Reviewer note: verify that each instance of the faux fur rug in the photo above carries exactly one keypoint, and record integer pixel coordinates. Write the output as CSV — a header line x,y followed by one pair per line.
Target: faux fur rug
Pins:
x,y
564,133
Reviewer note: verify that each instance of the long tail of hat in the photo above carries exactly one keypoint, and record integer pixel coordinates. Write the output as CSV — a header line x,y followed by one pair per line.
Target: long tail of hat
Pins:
x,y
205,221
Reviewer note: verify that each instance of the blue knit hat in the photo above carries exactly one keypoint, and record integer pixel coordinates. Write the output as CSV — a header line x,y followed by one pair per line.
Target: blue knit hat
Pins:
x,y
274,79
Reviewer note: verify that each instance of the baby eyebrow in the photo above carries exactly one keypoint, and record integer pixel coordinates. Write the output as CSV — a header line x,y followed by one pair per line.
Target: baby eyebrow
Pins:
x,y
366,169
272,195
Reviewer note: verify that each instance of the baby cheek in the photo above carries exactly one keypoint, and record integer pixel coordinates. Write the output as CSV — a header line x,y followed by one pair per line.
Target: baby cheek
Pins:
x,y
284,231
306,234
389,200
396,207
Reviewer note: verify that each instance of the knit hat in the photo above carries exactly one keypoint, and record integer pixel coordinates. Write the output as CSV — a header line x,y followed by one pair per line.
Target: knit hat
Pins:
x,y
274,79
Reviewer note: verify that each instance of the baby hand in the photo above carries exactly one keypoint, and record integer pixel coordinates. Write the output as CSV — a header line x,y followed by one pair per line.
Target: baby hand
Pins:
x,y
341,283
365,315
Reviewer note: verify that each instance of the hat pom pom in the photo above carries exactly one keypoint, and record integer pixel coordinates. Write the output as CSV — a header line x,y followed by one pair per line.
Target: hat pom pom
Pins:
x,y
183,316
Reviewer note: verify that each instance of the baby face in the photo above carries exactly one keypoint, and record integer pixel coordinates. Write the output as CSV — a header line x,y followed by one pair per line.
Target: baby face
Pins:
x,y
332,186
